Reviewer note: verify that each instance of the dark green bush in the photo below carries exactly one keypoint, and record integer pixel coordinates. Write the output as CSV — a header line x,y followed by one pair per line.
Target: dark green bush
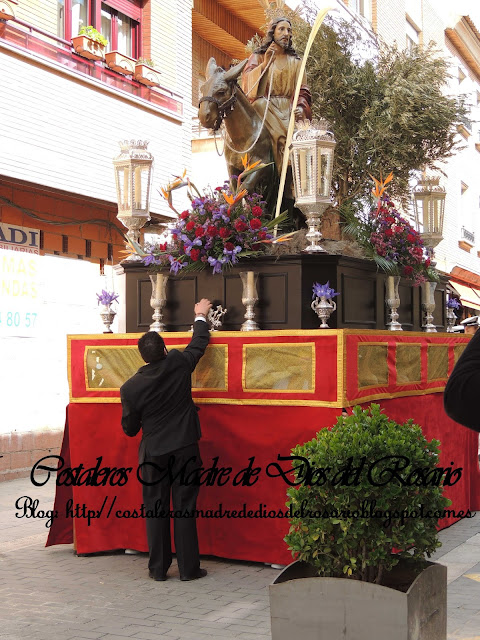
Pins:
x,y
349,526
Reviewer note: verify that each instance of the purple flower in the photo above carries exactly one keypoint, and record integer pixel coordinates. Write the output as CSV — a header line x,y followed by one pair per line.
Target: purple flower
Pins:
x,y
175,265
320,290
107,297
453,303
217,264
232,253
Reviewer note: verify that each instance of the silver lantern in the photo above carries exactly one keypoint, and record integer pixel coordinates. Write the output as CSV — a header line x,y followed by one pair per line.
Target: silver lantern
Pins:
x,y
312,152
133,178
429,208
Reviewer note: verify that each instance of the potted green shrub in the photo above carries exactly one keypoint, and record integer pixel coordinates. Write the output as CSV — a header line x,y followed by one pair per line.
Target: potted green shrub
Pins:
x,y
365,505
90,43
145,72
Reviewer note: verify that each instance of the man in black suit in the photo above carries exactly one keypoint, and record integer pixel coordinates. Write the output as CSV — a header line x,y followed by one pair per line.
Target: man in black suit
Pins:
x,y
158,399
463,387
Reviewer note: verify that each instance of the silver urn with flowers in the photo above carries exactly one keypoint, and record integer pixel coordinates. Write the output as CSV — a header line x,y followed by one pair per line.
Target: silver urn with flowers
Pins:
x,y
105,301
452,305
323,303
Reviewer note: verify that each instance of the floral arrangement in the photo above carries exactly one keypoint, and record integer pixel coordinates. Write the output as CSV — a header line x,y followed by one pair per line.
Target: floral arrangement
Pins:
x,y
221,226
453,303
390,239
107,297
323,290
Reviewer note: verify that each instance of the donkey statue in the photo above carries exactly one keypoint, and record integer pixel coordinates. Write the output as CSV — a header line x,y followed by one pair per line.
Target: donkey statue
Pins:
x,y
224,101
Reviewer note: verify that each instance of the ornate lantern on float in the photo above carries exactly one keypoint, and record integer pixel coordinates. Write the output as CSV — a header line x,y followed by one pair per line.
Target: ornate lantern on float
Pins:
x,y
133,178
429,208
312,152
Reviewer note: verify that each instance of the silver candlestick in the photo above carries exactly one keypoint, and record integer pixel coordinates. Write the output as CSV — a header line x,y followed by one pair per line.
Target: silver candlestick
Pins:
x,y
324,309
428,305
249,299
158,299
451,319
215,317
392,300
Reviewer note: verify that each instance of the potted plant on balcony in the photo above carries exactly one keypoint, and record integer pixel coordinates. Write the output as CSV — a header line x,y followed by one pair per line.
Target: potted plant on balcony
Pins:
x,y
6,11
120,62
363,489
145,72
90,43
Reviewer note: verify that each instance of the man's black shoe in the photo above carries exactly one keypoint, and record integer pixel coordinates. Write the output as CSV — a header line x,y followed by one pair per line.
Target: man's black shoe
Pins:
x,y
200,574
159,578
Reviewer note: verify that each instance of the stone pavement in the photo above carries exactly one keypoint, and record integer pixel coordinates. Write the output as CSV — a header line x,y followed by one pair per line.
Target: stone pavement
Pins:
x,y
51,593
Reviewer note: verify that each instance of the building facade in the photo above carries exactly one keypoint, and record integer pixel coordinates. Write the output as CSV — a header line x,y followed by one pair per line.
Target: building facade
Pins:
x,y
62,117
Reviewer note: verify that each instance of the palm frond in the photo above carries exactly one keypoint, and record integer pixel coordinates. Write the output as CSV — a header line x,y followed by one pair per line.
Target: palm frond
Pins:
x,y
387,266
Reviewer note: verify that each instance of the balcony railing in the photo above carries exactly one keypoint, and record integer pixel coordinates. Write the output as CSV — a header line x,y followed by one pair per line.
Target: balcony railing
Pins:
x,y
26,37
467,236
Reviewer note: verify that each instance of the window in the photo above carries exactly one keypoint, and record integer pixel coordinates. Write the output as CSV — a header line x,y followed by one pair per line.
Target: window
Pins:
x,y
362,7
120,30
413,36
72,15
118,20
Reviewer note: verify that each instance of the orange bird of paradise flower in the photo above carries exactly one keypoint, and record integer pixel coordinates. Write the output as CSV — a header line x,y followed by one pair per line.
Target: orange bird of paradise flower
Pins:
x,y
232,200
380,185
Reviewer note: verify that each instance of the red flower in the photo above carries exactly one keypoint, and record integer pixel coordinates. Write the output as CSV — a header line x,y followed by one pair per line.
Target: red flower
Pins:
x,y
427,262
195,254
199,232
190,224
255,223
240,225
388,233
224,232
410,237
390,220
163,247
184,215
257,211
229,246
262,235
212,230
407,271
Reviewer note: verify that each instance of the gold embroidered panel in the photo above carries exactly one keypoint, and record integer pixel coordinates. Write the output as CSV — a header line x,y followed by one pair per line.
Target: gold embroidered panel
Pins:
x,y
372,365
408,363
211,373
437,362
109,367
457,351
279,367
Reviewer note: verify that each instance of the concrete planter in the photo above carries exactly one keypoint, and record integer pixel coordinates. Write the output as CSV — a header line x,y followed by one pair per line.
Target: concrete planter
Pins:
x,y
6,11
146,75
88,48
313,608
120,63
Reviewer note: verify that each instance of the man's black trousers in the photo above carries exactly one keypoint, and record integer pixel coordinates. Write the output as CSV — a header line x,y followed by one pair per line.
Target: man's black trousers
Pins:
x,y
167,478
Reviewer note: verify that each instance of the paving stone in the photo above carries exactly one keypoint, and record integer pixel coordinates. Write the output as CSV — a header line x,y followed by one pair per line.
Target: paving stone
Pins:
x,y
110,597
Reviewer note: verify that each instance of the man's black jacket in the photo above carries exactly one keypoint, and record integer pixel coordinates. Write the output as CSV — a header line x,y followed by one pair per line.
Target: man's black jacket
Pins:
x,y
462,393
158,399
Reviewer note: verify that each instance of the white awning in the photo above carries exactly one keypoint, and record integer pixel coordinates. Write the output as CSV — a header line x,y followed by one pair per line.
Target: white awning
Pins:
x,y
469,296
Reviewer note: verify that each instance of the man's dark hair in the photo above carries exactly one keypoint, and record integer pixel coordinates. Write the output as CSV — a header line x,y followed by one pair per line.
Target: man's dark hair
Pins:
x,y
151,347
269,38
